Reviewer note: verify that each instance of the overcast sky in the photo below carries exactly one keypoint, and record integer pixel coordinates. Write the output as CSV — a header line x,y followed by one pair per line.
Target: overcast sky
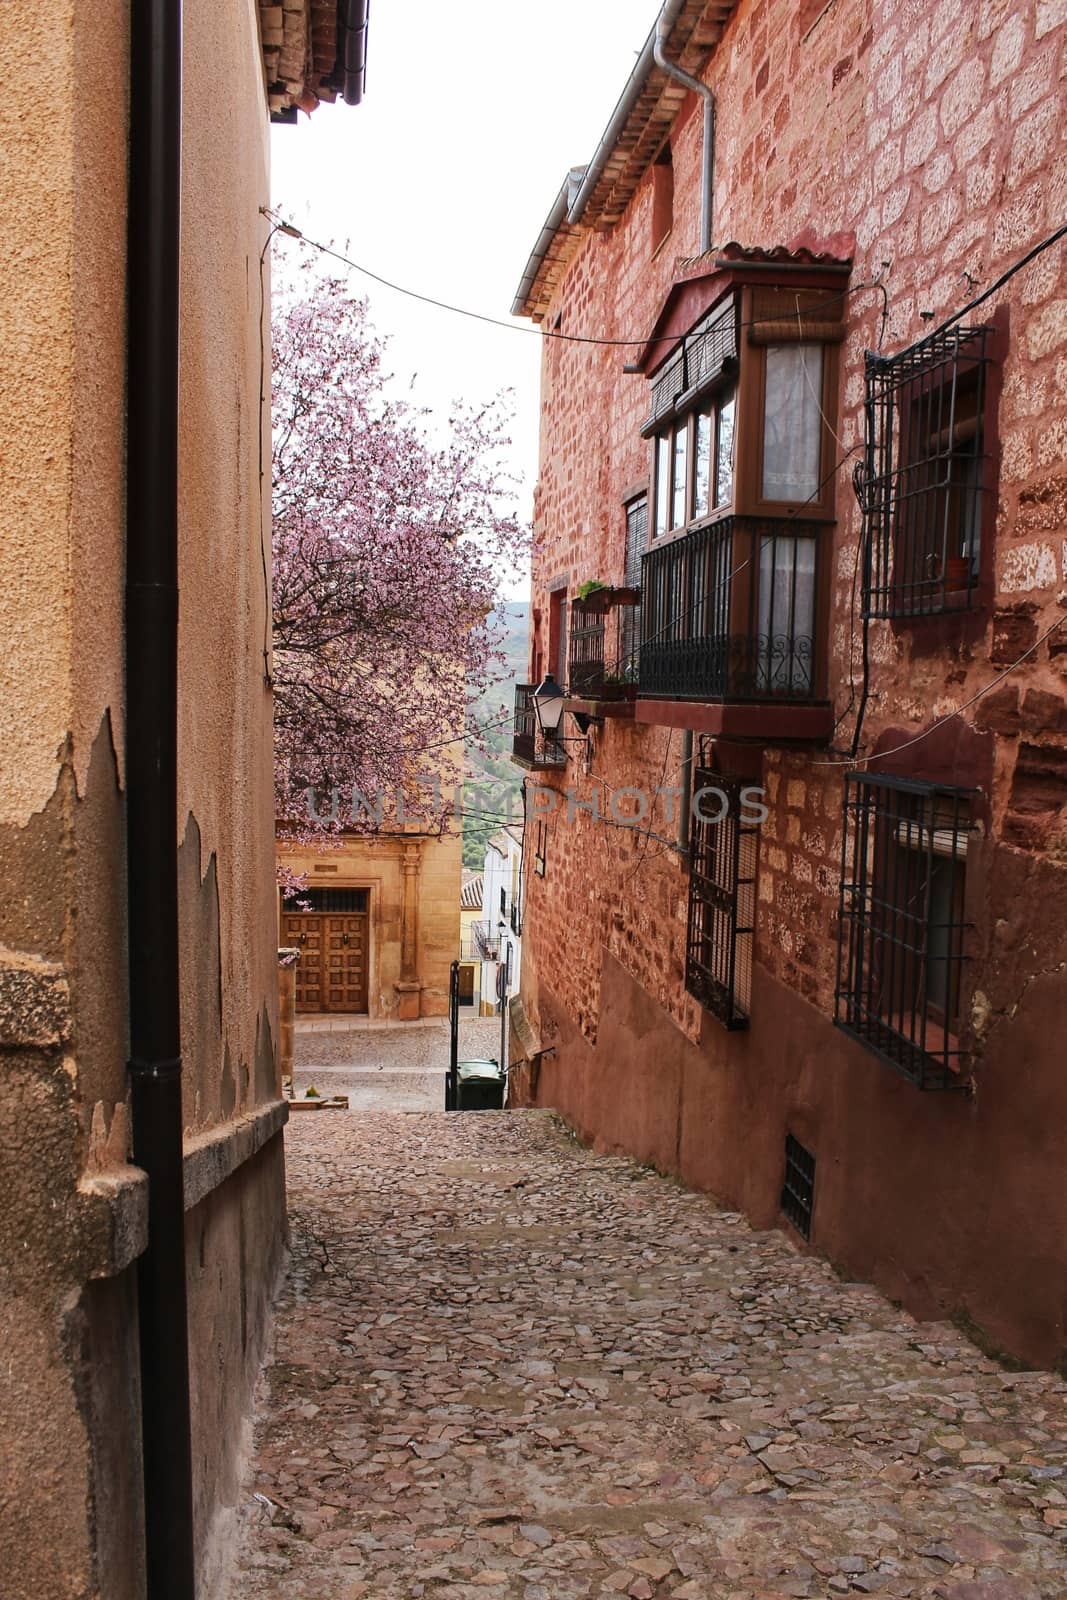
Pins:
x,y
442,178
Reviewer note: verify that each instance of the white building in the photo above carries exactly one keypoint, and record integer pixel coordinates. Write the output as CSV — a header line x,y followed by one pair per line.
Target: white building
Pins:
x,y
499,932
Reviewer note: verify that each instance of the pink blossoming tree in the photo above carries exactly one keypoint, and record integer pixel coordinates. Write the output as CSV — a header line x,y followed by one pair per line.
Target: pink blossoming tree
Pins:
x,y
389,551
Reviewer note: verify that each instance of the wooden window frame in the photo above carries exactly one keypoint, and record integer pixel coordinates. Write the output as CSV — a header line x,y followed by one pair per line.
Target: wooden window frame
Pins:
x,y
711,401
770,317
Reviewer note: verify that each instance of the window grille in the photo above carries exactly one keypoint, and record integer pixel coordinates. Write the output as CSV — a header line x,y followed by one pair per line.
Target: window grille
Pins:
x,y
902,936
350,901
603,649
561,657
722,898
798,1191
922,482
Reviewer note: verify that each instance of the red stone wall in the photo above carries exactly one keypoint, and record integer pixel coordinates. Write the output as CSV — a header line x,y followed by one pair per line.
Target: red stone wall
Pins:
x,y
926,139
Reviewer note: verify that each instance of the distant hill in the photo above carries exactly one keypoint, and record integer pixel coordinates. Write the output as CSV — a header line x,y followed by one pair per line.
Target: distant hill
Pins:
x,y
492,779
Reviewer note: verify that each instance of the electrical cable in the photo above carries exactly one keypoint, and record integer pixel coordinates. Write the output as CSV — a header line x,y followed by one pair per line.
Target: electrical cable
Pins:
x,y
294,232
1005,277
949,716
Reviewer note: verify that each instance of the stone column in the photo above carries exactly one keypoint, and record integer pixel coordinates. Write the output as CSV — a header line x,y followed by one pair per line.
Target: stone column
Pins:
x,y
409,989
287,960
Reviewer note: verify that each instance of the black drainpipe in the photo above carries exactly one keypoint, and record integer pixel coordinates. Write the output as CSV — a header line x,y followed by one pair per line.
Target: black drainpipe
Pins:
x,y
151,779
352,50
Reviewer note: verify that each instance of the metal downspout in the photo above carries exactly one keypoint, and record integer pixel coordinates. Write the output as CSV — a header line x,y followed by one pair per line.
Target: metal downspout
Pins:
x,y
672,10
673,70
685,812
352,49
153,249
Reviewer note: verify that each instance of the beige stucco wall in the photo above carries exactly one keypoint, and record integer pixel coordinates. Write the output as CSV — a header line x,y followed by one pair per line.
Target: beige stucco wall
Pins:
x,y
225,788
69,1427
376,863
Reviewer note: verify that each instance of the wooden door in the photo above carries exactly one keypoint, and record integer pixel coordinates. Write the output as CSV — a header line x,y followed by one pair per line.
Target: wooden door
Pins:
x,y
303,931
331,974
345,978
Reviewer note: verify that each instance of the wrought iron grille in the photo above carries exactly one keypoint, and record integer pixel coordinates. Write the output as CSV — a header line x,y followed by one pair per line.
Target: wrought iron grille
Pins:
x,y
902,935
798,1191
603,660
486,940
528,745
705,352
729,612
722,899
921,484
636,545
350,901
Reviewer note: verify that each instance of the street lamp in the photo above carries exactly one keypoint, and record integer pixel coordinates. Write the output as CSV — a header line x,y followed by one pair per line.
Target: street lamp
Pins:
x,y
548,699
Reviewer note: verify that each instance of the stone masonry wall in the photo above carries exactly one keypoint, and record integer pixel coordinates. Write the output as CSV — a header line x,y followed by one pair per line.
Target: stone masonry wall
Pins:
x,y
925,140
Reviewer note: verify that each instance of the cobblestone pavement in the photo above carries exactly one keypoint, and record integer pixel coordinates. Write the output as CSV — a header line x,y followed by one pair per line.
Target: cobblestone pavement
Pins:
x,y
396,1068
507,1367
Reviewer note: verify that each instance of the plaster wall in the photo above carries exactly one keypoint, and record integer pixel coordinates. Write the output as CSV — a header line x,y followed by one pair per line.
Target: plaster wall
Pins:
x,y
927,143
74,1216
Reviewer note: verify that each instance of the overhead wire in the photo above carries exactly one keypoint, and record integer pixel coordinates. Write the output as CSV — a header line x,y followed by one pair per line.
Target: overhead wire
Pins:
x,y
293,232
882,755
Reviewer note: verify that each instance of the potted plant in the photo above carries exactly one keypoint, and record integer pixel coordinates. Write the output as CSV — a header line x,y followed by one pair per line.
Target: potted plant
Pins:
x,y
594,595
617,687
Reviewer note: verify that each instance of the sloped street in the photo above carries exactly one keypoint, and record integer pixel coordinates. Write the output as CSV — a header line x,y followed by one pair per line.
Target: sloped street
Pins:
x,y
505,1366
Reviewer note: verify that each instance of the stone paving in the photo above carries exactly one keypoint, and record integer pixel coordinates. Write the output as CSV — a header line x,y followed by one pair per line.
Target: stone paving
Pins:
x,y
505,1366
391,1067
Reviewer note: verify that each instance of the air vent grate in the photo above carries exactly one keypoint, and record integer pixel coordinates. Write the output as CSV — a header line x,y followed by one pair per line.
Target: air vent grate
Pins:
x,y
798,1192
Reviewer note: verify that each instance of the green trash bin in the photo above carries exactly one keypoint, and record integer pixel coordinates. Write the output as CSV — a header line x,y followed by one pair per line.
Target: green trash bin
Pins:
x,y
480,1086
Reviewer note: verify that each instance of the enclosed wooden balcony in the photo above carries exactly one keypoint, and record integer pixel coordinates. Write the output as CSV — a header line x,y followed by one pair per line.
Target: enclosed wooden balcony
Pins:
x,y
733,619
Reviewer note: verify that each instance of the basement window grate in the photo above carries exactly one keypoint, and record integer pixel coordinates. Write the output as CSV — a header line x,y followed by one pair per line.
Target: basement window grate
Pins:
x,y
798,1191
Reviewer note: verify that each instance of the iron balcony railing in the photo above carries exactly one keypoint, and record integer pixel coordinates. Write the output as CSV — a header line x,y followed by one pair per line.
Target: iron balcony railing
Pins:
x,y
528,745
604,649
730,611
486,941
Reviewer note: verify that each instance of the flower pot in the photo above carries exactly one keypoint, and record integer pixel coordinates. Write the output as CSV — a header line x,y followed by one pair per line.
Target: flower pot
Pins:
x,y
957,574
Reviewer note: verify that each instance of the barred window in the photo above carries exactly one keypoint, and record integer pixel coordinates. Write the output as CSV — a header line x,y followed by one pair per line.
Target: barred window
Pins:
x,y
722,898
923,480
902,936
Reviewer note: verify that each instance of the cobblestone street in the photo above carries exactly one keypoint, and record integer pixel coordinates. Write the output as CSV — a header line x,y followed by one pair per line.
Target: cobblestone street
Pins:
x,y
506,1366
387,1067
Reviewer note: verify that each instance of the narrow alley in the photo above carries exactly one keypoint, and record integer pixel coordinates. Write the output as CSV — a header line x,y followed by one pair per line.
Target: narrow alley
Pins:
x,y
504,1365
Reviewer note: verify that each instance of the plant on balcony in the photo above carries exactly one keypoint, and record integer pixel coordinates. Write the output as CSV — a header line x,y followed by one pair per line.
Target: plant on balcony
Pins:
x,y
617,686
